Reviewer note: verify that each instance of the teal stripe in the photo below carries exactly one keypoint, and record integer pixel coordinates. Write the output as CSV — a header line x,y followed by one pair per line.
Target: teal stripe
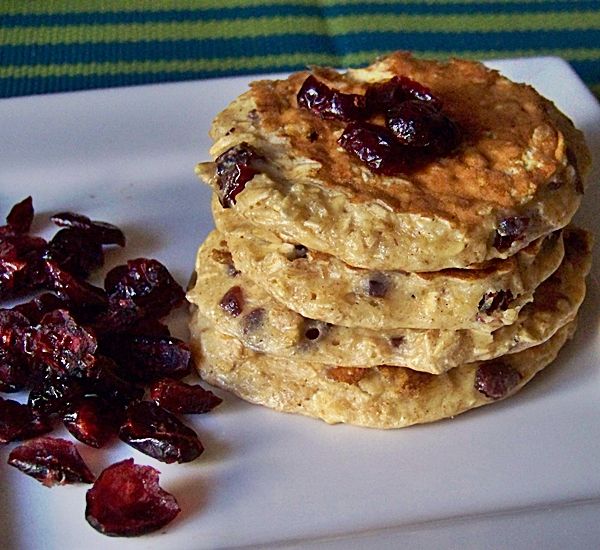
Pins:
x,y
288,44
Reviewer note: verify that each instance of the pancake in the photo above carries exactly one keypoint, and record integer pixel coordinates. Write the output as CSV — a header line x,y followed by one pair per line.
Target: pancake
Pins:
x,y
267,326
321,286
517,170
378,397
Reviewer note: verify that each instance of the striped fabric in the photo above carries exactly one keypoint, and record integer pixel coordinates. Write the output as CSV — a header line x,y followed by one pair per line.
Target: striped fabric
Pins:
x,y
59,45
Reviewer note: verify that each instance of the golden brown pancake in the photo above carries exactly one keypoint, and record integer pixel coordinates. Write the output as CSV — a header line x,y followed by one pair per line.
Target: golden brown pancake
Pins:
x,y
321,286
378,397
518,157
267,326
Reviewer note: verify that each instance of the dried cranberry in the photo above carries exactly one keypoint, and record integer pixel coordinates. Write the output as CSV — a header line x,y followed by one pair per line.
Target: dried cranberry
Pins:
x,y
53,392
71,288
182,398
37,307
235,168
73,251
299,252
127,501
100,232
105,379
18,422
156,432
93,420
496,379
327,102
21,269
51,461
233,301
19,218
62,344
396,341
15,332
495,301
253,320
378,285
148,283
146,358
508,231
420,124
382,96
375,146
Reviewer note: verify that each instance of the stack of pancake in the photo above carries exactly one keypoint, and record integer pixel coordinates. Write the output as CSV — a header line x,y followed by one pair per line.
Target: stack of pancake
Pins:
x,y
383,299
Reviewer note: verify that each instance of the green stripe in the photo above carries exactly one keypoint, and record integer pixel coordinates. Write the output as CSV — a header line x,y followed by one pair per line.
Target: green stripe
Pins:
x,y
21,7
271,62
271,26
595,89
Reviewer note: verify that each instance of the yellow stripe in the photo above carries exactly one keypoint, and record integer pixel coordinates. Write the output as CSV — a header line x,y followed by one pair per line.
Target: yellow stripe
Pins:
x,y
274,26
270,62
38,7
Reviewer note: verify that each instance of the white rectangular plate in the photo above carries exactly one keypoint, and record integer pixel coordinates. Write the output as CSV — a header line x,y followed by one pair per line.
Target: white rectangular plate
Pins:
x,y
523,473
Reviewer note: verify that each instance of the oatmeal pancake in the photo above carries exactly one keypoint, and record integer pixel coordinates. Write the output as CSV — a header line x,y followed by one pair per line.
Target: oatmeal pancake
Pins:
x,y
378,397
321,286
515,173
265,325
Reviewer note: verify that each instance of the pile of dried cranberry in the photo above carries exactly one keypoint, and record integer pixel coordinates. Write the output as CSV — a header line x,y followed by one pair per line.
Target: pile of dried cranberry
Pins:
x,y
88,356
415,128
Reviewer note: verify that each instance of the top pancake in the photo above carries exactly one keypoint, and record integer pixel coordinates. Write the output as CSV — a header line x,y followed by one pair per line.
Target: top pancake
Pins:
x,y
518,156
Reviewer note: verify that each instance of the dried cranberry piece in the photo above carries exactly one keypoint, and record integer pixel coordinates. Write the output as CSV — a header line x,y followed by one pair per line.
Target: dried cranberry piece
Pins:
x,y
495,301
146,358
150,327
382,96
100,232
19,218
375,146
253,320
105,379
93,420
73,289
74,251
178,397
15,332
495,379
62,344
20,267
378,285
300,252
327,102
127,501
510,230
233,301
52,393
51,461
37,307
235,168
420,124
396,341
18,422
12,272
148,283
156,432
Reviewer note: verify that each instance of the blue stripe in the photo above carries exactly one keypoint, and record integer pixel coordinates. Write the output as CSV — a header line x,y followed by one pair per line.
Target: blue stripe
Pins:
x,y
224,13
12,87
217,47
